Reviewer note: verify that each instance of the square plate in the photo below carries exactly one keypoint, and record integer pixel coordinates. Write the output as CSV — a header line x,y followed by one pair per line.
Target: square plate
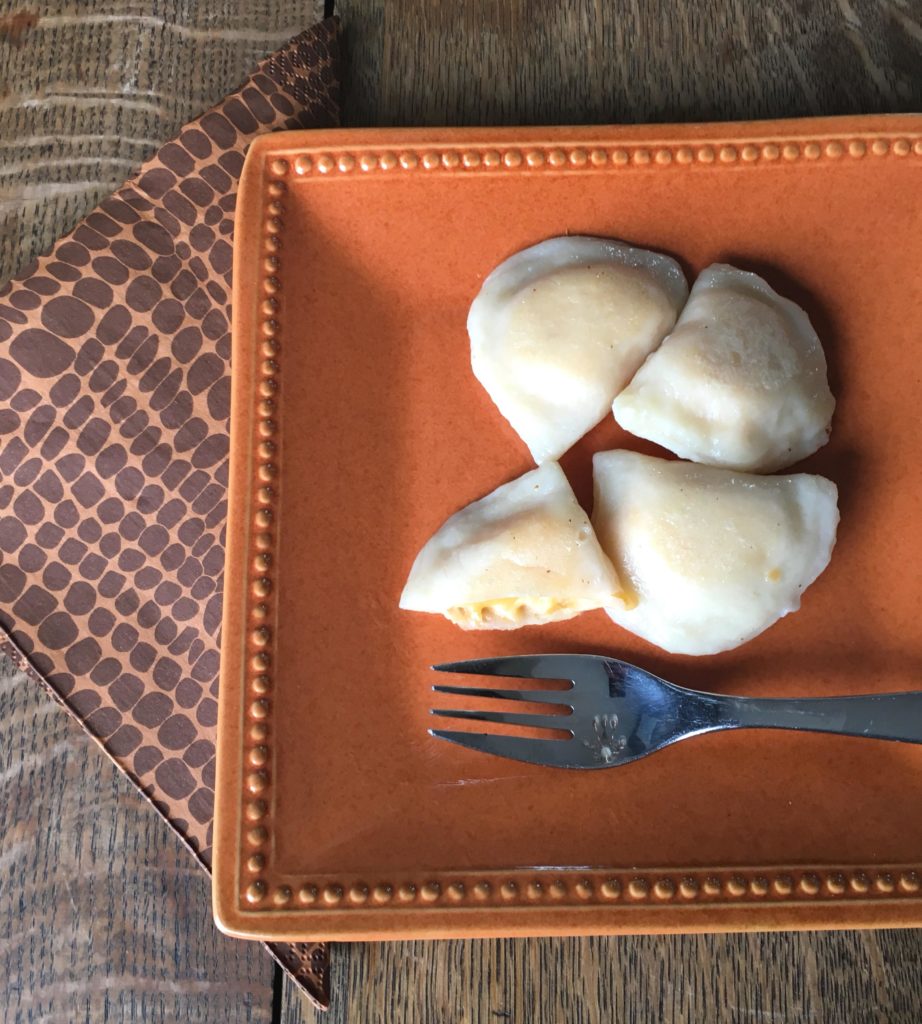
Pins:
x,y
358,428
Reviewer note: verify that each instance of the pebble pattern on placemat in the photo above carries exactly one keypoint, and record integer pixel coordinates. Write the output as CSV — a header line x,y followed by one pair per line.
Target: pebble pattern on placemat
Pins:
x,y
114,402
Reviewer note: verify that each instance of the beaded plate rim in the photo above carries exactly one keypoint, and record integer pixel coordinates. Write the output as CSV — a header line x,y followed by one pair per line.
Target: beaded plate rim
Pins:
x,y
259,889
319,163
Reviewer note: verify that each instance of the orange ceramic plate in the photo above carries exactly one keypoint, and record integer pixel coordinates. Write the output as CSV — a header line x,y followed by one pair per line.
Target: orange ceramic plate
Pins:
x,y
358,428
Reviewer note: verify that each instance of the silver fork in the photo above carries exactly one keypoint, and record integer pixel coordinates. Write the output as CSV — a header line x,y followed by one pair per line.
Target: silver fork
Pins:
x,y
616,712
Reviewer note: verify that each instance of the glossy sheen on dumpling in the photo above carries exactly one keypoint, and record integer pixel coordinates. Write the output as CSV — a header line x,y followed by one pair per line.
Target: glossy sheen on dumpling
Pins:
x,y
740,382
524,554
709,557
558,329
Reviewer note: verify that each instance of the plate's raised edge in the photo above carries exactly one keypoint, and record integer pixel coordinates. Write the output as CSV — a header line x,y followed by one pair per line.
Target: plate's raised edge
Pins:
x,y
580,887
243,726
754,143
251,887
565,902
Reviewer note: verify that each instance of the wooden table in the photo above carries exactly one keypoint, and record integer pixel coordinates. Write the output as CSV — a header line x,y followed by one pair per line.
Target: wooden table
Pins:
x,y
103,917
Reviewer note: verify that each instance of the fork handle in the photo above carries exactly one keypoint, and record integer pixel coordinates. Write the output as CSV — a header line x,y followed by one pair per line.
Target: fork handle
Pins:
x,y
883,716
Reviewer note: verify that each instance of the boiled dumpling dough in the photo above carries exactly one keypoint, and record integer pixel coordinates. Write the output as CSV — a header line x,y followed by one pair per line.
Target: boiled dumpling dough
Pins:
x,y
559,329
524,554
740,382
709,557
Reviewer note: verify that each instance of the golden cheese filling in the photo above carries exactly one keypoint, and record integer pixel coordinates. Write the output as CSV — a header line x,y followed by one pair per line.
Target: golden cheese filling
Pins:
x,y
524,554
519,611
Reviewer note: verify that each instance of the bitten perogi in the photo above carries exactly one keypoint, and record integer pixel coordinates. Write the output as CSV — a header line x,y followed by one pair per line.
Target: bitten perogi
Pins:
x,y
524,554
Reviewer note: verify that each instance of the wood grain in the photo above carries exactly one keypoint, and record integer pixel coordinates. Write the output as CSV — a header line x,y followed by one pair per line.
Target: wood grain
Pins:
x,y
780,978
103,915
589,61
89,91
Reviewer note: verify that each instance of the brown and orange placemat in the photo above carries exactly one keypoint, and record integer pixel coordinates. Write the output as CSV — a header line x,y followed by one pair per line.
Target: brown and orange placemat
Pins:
x,y
114,405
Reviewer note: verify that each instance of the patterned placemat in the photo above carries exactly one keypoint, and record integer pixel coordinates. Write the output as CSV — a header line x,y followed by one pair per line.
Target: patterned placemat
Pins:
x,y
114,404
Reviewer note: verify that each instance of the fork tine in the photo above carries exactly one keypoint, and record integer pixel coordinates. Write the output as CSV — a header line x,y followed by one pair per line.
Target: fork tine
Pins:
x,y
520,666
507,718
517,748
531,696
